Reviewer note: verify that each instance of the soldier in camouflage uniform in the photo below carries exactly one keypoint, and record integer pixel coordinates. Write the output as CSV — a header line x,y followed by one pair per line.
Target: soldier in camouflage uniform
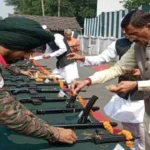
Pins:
x,y
13,114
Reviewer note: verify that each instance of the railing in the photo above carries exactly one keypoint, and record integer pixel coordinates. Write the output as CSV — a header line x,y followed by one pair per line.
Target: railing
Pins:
x,y
94,45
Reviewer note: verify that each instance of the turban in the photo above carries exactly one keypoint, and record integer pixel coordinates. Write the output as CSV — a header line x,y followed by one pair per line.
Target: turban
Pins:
x,y
19,33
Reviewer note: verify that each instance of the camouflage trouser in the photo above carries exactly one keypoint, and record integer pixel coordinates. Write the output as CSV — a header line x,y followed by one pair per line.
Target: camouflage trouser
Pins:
x,y
16,117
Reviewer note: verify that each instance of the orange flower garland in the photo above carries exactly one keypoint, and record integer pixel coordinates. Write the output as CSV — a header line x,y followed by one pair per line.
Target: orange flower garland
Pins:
x,y
54,79
108,126
39,79
81,101
42,69
61,84
128,137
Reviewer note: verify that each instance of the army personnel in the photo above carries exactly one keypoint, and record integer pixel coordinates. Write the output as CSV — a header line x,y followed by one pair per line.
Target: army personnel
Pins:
x,y
18,36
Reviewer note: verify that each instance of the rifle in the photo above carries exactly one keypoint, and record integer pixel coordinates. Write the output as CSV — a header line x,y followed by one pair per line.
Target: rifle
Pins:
x,y
35,90
32,90
109,138
84,117
31,84
38,100
82,126
61,110
71,102
17,79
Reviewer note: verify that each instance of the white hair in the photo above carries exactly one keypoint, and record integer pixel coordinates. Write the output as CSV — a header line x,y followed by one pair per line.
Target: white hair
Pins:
x,y
67,31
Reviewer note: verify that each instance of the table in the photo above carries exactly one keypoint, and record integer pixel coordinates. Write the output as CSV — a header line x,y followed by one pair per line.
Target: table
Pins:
x,y
10,140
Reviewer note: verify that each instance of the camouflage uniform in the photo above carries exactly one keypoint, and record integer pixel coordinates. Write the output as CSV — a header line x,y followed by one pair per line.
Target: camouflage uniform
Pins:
x,y
13,68
15,116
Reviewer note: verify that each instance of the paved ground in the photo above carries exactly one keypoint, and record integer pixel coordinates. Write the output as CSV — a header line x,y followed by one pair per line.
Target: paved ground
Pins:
x,y
98,90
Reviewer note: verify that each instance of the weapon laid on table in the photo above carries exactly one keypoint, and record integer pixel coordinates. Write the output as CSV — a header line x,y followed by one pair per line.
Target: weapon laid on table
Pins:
x,y
109,138
62,110
31,84
32,90
84,117
82,126
73,98
16,79
39,100
26,66
71,102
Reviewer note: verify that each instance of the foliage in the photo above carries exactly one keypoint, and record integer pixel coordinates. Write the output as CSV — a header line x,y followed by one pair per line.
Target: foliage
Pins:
x,y
68,8
132,4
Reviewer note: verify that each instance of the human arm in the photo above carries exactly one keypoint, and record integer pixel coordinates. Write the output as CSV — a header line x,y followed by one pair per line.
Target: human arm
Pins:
x,y
144,85
126,63
59,41
15,116
17,70
106,56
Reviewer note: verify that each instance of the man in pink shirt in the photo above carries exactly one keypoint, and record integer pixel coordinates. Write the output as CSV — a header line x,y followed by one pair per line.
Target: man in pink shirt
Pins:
x,y
72,42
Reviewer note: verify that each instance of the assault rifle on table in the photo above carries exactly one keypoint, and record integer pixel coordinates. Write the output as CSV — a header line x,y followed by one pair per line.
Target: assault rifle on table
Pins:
x,y
17,79
32,84
82,126
84,118
35,90
71,102
63,110
109,138
38,100
84,121
70,108
32,90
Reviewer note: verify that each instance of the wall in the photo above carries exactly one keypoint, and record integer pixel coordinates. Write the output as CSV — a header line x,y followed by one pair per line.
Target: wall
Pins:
x,y
108,5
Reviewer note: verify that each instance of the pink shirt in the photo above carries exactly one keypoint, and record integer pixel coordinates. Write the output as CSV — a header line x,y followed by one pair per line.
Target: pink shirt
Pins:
x,y
2,61
74,45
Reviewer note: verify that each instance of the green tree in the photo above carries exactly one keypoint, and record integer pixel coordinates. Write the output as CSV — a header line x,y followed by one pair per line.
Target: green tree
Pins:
x,y
132,4
68,8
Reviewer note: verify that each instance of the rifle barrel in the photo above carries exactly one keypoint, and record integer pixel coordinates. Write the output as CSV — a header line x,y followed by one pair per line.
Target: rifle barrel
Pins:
x,y
62,110
83,126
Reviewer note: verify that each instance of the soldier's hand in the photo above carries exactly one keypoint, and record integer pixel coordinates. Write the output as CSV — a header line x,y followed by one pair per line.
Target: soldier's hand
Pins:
x,y
45,56
67,136
123,87
75,56
78,85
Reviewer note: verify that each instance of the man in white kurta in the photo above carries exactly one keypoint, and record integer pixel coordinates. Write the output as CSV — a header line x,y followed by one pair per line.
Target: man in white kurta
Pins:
x,y
69,71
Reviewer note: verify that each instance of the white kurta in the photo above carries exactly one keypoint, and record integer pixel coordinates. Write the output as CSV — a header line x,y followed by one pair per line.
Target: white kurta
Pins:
x,y
118,108
69,72
125,110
